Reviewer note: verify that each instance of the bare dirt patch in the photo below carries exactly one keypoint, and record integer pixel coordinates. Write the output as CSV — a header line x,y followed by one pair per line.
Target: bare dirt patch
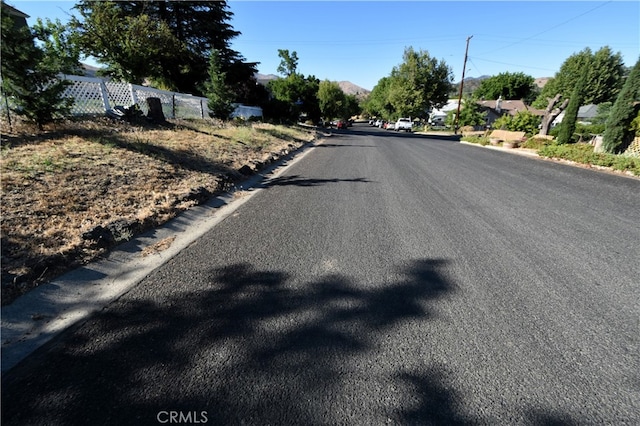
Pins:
x,y
73,192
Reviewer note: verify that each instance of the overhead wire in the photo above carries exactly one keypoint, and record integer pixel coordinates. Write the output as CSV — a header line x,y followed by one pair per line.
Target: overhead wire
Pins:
x,y
548,29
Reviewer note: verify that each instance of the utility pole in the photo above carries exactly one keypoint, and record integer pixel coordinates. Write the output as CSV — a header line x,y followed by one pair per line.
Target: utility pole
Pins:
x,y
464,67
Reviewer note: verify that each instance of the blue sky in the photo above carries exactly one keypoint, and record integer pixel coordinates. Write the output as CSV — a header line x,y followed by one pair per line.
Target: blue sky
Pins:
x,y
361,41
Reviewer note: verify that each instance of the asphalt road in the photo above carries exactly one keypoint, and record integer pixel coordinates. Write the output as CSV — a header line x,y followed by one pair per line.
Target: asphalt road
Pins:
x,y
383,279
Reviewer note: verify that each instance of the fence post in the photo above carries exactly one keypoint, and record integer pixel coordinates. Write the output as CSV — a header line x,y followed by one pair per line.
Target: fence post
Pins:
x,y
105,96
202,108
134,97
173,105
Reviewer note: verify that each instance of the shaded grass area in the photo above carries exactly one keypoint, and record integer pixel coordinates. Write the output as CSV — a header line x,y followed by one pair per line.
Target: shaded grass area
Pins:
x,y
71,193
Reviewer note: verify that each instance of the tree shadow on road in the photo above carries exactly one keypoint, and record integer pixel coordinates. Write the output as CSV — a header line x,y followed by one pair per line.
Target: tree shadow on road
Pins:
x,y
246,346
297,180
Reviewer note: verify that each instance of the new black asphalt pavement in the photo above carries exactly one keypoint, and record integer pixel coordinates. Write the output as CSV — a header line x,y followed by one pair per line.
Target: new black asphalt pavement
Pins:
x,y
384,278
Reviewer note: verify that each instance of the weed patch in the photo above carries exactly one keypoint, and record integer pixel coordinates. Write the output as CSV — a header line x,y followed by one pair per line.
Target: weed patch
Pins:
x,y
71,193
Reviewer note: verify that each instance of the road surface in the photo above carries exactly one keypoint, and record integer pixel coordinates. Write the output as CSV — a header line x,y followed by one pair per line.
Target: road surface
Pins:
x,y
383,279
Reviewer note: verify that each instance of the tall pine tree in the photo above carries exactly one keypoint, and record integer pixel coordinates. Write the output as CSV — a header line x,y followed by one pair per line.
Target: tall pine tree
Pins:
x,y
618,133
216,90
28,80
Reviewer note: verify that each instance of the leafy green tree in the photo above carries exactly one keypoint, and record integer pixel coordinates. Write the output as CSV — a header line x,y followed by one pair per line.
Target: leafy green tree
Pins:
x,y
508,85
294,94
352,106
332,100
604,79
288,62
219,96
568,125
133,46
471,113
378,103
309,97
619,132
418,84
168,42
28,79
604,109
59,45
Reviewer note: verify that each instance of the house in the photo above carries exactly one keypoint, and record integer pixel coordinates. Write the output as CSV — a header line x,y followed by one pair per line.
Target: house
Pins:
x,y
438,116
20,18
586,114
497,108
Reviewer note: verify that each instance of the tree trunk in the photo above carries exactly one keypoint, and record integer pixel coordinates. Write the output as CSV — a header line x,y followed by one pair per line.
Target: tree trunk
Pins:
x,y
551,114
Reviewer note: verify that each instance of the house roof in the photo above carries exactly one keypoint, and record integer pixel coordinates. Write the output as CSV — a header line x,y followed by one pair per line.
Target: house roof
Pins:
x,y
585,113
588,111
510,106
13,11
452,104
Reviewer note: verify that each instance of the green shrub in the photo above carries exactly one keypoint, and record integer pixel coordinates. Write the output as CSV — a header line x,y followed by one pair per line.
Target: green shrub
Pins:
x,y
583,153
482,140
523,121
536,143
586,131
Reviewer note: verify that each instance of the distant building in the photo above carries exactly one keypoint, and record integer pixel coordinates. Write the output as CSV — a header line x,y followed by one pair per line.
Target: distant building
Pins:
x,y
586,114
438,116
498,108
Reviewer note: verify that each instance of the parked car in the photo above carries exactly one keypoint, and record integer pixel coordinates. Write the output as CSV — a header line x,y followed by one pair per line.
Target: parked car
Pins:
x,y
341,124
403,124
379,123
390,126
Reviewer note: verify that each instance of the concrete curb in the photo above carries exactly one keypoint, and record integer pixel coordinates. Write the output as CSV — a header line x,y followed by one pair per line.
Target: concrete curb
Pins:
x,y
518,151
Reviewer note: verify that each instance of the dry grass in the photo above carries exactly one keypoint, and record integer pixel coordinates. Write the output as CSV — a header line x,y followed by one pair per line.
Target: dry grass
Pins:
x,y
62,187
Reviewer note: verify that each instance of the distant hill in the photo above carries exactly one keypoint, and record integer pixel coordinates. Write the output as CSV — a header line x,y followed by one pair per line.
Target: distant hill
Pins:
x,y
541,81
352,89
265,78
470,84
347,87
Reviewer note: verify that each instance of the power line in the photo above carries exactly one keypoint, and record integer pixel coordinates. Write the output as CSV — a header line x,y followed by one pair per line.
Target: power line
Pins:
x,y
548,29
515,65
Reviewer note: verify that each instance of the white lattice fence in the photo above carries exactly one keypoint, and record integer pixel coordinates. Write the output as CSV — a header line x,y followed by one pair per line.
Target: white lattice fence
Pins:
x,y
118,94
89,95
187,106
634,149
141,93
96,96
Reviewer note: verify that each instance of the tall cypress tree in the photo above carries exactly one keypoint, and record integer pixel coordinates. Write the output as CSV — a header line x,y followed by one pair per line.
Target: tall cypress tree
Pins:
x,y
568,126
618,133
